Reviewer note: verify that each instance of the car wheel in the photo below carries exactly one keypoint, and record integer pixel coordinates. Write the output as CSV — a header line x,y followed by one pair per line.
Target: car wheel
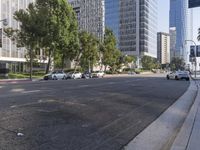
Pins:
x,y
64,78
167,77
176,78
54,78
187,79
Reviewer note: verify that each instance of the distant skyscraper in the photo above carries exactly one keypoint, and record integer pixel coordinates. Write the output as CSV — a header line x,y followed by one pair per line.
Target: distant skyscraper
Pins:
x,y
172,33
163,48
134,23
179,19
90,15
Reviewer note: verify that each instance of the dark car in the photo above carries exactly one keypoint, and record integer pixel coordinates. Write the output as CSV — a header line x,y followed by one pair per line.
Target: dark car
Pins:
x,y
87,75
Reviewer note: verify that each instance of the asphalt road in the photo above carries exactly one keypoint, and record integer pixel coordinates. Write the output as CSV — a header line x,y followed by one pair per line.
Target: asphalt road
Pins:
x,y
95,114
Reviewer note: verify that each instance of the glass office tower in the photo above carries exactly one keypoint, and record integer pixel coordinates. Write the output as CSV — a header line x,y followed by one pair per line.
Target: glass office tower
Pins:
x,y
134,22
112,16
179,16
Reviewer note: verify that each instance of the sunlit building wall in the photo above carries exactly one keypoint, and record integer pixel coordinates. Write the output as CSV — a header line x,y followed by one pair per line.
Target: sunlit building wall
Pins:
x,y
9,52
90,15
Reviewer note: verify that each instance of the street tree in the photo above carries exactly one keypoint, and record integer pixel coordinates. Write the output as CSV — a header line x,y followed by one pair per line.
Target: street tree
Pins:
x,y
50,25
177,64
116,61
108,48
89,50
129,60
149,63
60,29
28,34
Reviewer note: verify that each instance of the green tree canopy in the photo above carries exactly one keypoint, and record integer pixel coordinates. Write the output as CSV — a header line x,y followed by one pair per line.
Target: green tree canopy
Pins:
x,y
109,50
129,60
177,64
50,25
89,50
149,63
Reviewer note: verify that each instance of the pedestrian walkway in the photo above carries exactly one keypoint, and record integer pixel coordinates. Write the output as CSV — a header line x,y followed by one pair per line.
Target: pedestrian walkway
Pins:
x,y
189,135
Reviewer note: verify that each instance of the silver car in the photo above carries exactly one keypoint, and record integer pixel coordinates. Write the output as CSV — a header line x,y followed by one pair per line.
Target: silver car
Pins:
x,y
56,75
178,75
74,75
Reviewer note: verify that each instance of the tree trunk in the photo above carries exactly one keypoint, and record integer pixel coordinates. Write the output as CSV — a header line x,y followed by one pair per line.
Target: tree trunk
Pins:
x,y
63,61
49,62
105,68
31,63
76,63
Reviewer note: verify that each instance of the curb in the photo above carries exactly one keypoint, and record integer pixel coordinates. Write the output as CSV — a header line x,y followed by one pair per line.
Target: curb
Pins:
x,y
161,133
185,136
15,81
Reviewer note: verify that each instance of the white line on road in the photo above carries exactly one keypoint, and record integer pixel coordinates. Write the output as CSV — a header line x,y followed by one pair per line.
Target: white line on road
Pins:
x,y
27,92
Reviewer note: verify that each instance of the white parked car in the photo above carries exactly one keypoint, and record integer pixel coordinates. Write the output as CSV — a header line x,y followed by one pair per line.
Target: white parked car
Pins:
x,y
178,75
98,74
74,75
56,75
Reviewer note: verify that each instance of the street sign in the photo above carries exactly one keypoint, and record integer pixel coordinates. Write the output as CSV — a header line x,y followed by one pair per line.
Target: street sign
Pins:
x,y
194,3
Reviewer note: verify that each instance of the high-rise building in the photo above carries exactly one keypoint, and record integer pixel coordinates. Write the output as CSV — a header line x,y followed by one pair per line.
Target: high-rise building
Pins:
x,y
180,20
112,17
134,23
10,54
172,33
163,45
90,15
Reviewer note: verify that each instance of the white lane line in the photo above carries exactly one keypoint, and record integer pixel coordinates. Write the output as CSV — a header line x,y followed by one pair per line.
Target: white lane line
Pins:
x,y
27,92
17,90
32,103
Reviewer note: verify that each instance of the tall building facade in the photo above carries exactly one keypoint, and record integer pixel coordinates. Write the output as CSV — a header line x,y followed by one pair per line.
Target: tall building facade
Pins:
x,y
180,20
112,17
90,15
10,54
163,45
135,25
172,33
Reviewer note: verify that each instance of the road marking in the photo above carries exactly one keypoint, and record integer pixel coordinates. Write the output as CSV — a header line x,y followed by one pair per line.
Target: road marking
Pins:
x,y
17,90
33,103
34,91
82,86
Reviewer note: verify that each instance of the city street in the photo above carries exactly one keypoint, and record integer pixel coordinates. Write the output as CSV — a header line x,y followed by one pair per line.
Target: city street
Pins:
x,y
93,114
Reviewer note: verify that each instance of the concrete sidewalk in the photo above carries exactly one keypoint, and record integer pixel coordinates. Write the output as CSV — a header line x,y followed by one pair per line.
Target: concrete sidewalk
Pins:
x,y
189,135
162,133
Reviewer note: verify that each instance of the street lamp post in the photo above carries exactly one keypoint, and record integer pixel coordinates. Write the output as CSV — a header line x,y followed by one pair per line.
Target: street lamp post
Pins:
x,y
195,49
